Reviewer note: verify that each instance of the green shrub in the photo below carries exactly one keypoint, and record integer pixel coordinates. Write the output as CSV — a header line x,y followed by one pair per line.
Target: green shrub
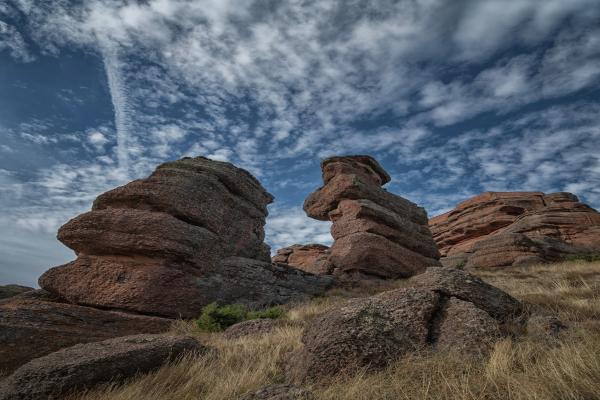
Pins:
x,y
460,265
215,318
272,313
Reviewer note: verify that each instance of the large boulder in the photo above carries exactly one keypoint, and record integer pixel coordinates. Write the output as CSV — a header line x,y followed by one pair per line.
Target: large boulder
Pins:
x,y
84,366
442,309
33,326
497,229
188,235
377,235
313,258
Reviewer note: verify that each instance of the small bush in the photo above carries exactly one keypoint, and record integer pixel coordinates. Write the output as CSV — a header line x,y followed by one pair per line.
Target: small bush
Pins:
x,y
216,319
460,265
272,313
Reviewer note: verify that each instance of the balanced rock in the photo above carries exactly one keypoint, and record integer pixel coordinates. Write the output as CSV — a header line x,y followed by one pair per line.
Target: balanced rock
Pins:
x,y
32,325
376,233
442,309
188,235
497,229
84,366
313,258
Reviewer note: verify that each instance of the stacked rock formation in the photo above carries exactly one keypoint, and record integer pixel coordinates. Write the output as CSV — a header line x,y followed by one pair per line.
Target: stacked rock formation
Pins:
x,y
376,233
188,235
497,229
313,258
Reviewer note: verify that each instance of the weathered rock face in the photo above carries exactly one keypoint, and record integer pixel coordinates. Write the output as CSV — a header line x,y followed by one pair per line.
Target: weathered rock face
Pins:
x,y
84,366
33,326
516,228
188,235
7,291
376,233
444,309
313,258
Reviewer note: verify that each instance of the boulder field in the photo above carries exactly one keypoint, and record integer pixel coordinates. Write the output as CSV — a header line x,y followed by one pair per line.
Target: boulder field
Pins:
x,y
377,234
498,229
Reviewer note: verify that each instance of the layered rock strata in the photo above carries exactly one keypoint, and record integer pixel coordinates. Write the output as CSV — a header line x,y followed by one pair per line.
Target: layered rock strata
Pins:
x,y
188,235
313,258
497,229
376,233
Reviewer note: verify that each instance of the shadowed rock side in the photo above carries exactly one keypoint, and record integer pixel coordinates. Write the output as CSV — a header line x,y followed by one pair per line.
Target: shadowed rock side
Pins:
x,y
498,229
7,291
33,325
376,233
84,366
188,235
443,309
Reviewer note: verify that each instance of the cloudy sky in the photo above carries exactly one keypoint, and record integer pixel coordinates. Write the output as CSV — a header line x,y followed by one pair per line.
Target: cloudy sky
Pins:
x,y
454,97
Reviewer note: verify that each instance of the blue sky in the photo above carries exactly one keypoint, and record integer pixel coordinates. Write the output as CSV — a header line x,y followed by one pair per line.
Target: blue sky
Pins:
x,y
453,97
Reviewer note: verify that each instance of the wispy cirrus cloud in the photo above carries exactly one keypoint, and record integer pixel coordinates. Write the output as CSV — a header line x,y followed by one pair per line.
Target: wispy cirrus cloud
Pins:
x,y
452,97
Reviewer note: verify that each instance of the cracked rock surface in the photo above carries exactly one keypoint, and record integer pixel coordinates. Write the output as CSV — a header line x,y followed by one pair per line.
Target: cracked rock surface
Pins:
x,y
443,308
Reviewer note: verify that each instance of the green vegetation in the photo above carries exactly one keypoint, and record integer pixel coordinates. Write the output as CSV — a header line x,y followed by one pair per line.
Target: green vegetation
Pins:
x,y
216,319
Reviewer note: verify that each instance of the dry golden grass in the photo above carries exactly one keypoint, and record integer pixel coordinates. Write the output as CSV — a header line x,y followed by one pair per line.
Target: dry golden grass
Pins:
x,y
526,368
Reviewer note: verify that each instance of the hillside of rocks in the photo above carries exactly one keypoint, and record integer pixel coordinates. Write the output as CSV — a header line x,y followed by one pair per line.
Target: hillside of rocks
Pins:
x,y
160,249
499,229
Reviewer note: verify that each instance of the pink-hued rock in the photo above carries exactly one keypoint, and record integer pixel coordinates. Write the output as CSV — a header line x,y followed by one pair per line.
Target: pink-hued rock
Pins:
x,y
516,228
313,258
376,233
160,245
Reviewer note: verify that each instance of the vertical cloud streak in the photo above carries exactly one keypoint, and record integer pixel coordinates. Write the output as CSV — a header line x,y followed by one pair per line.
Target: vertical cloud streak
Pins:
x,y
118,96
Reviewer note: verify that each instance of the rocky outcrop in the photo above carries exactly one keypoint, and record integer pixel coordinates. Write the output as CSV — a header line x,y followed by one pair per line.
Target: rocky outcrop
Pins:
x,y
497,229
443,309
313,258
7,291
376,233
84,366
188,235
34,326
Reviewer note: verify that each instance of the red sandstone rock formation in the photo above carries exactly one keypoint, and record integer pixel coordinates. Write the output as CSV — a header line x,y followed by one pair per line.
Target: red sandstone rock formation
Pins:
x,y
188,235
376,233
313,258
516,228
